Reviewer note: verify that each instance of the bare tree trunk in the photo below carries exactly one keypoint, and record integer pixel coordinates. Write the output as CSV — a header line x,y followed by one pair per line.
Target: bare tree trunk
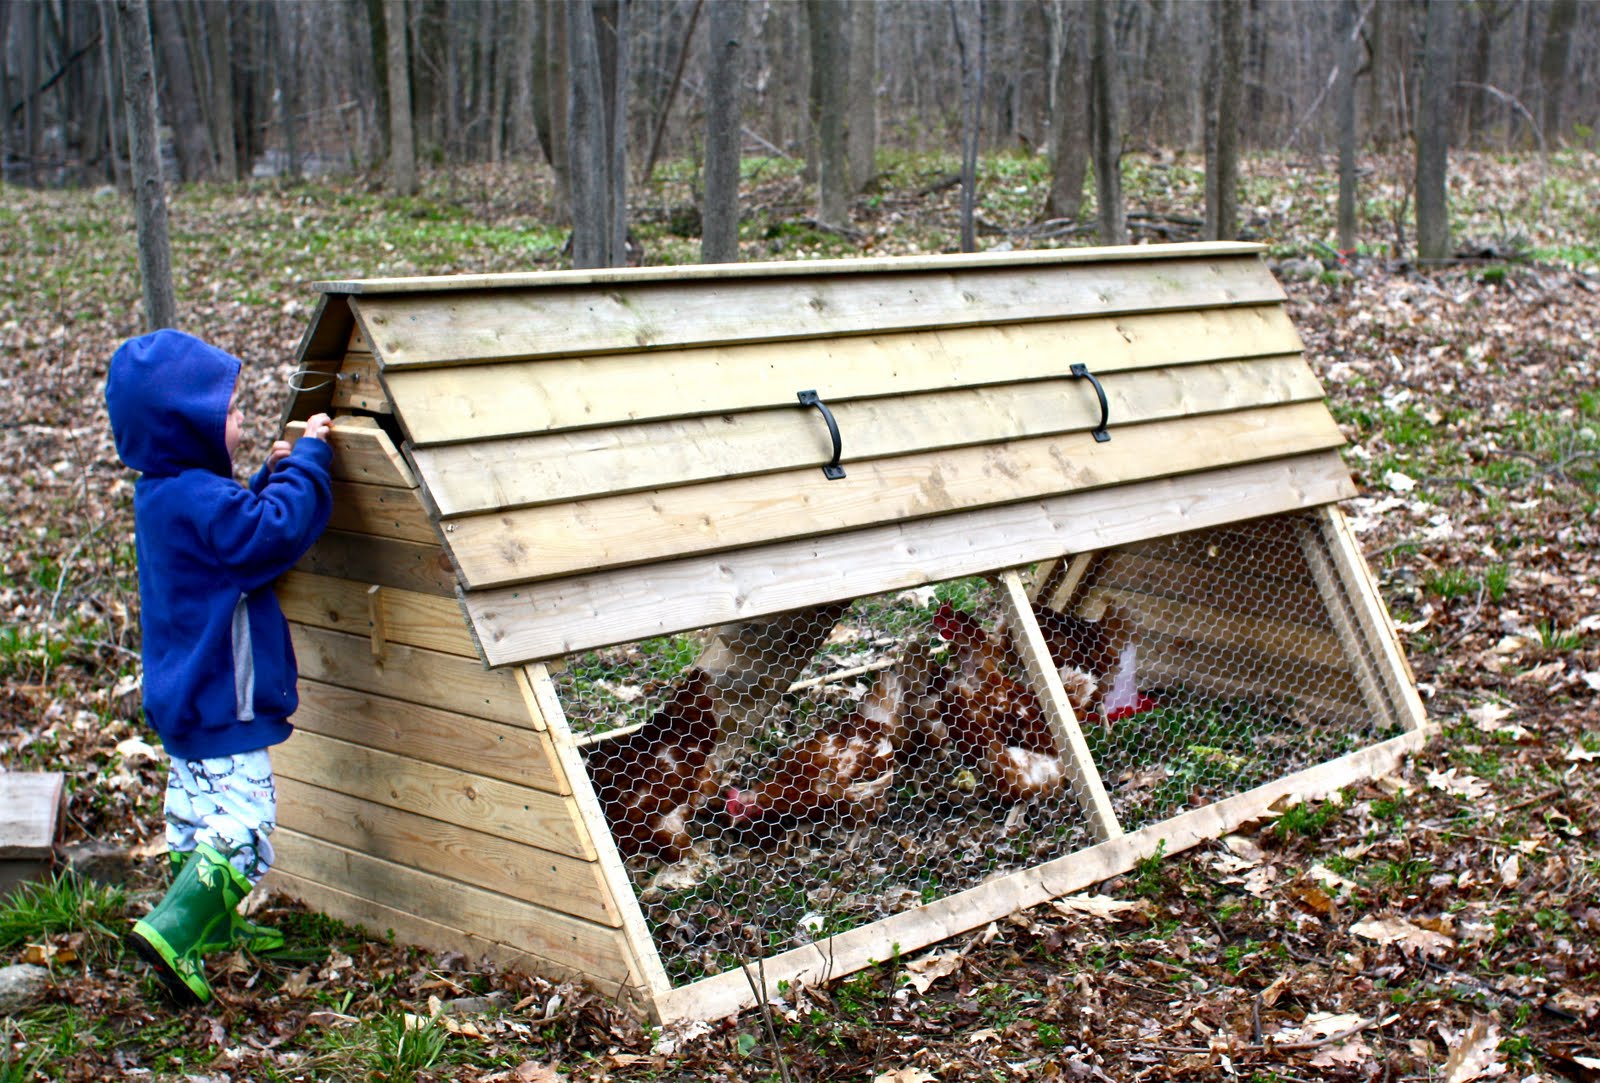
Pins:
x,y
182,96
966,17
552,90
830,70
378,38
586,135
223,134
617,133
149,196
1433,133
402,145
1222,121
719,216
1069,113
1107,97
118,175
1553,56
672,90
1345,103
286,66
862,95
522,124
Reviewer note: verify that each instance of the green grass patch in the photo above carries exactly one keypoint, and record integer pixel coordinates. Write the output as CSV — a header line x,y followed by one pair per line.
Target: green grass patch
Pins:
x,y
65,903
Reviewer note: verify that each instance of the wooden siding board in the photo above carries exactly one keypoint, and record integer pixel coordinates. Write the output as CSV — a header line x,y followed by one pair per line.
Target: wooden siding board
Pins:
x,y
537,621
715,275
486,401
482,325
431,678
388,562
456,796
495,475
500,549
548,879
381,510
597,951
362,452
516,754
345,605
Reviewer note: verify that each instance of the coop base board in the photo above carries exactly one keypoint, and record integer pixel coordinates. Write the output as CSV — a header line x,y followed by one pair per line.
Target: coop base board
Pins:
x,y
379,919
727,993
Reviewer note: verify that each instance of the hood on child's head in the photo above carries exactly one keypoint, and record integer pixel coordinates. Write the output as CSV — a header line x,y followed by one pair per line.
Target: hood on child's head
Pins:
x,y
168,394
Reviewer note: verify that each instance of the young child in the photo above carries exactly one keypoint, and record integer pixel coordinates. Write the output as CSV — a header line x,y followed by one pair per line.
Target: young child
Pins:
x,y
219,671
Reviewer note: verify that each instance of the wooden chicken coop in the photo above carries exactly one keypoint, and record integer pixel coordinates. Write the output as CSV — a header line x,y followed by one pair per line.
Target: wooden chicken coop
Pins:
x,y
705,629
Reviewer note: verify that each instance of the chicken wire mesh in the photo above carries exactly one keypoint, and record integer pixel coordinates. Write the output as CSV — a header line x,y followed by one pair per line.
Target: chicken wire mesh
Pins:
x,y
772,784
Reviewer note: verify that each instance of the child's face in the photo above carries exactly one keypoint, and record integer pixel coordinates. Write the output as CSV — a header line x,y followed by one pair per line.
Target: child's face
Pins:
x,y
235,424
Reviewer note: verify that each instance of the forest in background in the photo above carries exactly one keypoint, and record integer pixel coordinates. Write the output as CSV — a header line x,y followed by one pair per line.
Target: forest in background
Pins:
x,y
286,87
1436,924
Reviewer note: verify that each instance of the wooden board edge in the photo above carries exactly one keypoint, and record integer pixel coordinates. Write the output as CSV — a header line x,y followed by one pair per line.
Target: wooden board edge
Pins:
x,y
1084,776
912,930
613,873
940,548
547,922
784,268
1372,614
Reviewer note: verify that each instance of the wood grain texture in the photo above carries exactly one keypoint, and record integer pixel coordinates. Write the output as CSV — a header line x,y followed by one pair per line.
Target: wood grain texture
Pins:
x,y
492,475
383,511
595,950
456,796
552,880
514,754
503,548
362,452
343,605
712,275
546,620
552,321
439,936
390,562
356,387
431,678
486,401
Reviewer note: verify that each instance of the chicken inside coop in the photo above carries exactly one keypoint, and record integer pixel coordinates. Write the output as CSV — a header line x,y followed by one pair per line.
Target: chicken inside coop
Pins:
x,y
888,753
945,717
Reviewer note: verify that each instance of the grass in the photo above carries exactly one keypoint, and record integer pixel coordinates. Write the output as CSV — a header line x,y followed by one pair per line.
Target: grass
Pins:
x,y
63,904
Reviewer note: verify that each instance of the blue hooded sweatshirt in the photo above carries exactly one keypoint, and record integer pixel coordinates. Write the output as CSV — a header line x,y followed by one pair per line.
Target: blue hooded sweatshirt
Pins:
x,y
219,671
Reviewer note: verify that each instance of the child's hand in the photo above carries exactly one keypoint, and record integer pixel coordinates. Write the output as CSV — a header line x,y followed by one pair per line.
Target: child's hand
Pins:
x,y
318,426
279,452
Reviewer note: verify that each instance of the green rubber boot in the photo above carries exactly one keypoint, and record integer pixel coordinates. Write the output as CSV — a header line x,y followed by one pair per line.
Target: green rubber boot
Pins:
x,y
240,933
174,936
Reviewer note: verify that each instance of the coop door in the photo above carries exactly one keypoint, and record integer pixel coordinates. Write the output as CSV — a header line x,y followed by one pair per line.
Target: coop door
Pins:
x,y
772,784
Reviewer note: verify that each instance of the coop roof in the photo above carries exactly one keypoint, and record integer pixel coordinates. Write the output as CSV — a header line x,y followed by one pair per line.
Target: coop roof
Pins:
x,y
610,455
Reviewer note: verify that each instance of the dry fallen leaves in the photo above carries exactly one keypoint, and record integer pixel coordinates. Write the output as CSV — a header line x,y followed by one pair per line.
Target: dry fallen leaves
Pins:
x,y
1474,1055
1408,937
905,1075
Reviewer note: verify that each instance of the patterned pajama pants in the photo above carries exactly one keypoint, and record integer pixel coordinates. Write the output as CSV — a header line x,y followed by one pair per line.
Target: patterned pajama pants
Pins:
x,y
229,804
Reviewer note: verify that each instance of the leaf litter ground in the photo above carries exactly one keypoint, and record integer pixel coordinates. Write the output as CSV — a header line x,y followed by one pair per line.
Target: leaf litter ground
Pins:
x,y
1442,923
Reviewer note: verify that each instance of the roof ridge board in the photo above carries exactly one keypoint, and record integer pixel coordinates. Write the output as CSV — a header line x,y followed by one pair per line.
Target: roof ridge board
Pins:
x,y
620,276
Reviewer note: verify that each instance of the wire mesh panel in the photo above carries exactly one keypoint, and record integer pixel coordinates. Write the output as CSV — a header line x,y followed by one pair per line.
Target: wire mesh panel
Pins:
x,y
1245,665
776,785
772,784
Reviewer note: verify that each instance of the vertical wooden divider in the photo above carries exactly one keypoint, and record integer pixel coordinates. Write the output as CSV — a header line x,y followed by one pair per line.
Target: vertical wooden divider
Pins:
x,y
1371,616
545,706
1332,590
1035,655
